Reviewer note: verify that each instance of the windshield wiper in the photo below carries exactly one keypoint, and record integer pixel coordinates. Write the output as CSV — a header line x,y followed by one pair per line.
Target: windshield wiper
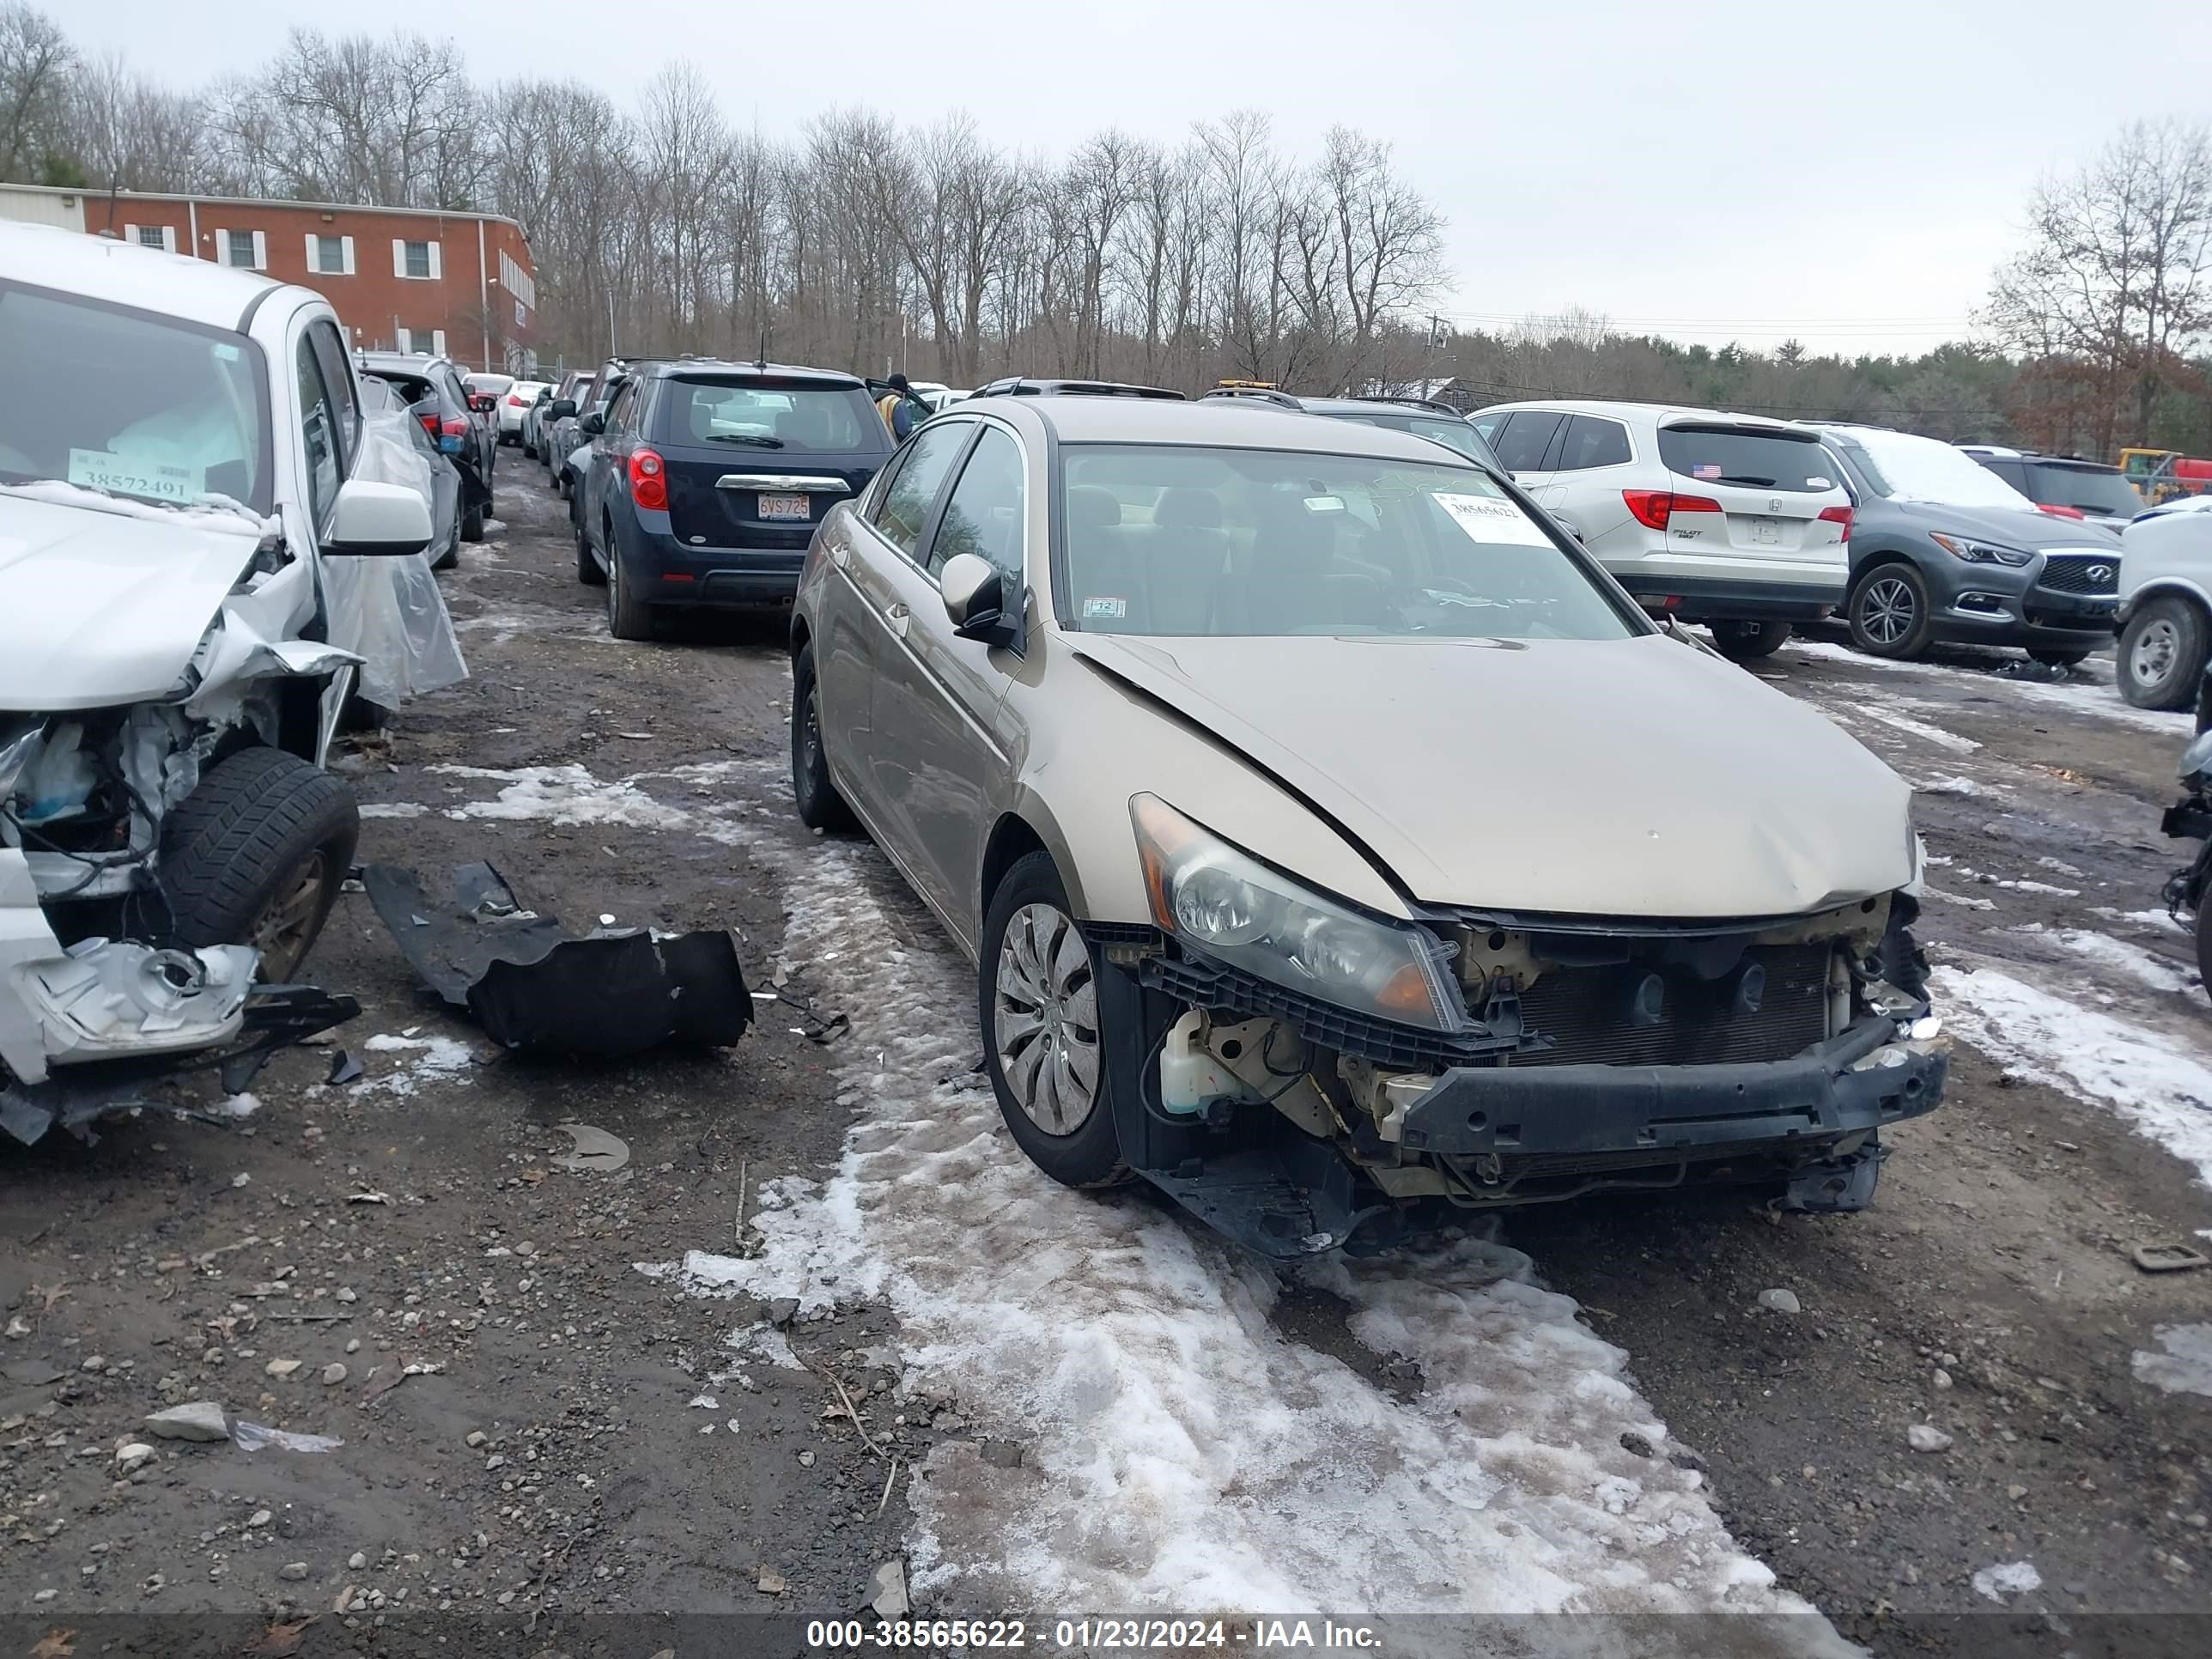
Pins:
x,y
1740,478
744,438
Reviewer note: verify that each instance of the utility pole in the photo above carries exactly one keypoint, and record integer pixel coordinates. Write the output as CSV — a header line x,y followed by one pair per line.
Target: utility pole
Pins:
x,y
611,319
1428,362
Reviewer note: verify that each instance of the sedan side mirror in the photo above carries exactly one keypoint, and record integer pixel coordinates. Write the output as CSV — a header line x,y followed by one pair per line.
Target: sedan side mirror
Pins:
x,y
377,521
974,593
592,424
562,408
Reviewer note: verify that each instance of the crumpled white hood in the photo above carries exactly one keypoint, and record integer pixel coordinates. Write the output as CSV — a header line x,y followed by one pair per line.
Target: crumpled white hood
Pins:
x,y
100,608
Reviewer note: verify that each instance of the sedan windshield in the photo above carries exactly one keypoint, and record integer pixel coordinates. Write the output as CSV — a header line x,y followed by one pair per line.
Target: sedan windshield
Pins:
x,y
129,404
1171,539
1906,467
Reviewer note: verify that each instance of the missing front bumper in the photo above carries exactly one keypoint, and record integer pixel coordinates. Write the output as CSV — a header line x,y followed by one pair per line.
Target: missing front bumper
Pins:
x,y
1535,1116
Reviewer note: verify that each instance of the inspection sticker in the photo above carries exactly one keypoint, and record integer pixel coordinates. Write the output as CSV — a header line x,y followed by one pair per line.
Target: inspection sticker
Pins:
x,y
1105,606
126,475
1487,519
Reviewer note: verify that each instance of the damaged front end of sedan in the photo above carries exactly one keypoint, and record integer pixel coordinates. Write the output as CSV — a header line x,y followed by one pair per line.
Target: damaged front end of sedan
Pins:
x,y
165,864
1305,1076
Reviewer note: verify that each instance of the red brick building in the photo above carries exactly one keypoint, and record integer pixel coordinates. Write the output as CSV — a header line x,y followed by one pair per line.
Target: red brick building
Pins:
x,y
460,284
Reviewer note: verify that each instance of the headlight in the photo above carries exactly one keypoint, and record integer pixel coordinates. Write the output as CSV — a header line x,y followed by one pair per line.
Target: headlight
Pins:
x,y
2197,758
1974,552
1238,911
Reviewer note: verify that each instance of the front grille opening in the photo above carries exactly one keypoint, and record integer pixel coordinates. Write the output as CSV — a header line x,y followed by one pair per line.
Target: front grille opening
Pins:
x,y
2081,572
1587,1012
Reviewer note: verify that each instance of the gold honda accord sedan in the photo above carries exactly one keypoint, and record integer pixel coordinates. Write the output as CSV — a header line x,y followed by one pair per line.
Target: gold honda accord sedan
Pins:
x,y
1339,849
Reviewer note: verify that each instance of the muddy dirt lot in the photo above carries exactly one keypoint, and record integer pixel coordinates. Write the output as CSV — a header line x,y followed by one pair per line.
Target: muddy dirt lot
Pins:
x,y
825,1321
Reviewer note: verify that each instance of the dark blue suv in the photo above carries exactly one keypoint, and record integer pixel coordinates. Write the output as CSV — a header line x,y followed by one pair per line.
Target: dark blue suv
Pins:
x,y
706,480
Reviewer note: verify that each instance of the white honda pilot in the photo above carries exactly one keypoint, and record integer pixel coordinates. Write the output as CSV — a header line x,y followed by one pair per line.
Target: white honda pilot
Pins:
x,y
1732,520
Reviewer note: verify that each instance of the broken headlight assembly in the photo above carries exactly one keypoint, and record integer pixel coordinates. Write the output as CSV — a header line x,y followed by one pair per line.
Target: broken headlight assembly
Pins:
x,y
1229,905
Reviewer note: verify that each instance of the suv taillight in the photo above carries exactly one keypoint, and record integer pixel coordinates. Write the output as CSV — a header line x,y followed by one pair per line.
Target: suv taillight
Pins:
x,y
1653,508
516,400
430,423
453,426
1840,515
648,480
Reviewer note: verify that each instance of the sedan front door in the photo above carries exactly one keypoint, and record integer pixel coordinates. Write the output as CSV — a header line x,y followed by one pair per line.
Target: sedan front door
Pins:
x,y
941,767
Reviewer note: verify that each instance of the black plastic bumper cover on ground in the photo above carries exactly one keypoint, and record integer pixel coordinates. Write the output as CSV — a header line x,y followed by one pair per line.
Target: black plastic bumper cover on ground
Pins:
x,y
1670,1112
531,985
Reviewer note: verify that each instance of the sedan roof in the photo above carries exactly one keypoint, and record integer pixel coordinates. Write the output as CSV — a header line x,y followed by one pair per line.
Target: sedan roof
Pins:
x,y
1260,426
146,279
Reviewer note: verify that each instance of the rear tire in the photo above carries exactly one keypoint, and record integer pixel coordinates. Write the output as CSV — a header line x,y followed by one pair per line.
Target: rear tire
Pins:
x,y
820,806
1747,642
587,568
2161,655
2203,950
1037,1000
2051,658
472,524
1889,612
255,855
627,619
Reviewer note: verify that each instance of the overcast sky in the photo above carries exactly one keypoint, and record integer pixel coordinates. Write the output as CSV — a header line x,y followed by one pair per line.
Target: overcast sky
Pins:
x,y
1709,169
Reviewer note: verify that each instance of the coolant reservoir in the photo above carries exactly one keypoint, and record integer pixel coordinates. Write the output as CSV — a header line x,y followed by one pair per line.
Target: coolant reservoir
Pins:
x,y
1189,1074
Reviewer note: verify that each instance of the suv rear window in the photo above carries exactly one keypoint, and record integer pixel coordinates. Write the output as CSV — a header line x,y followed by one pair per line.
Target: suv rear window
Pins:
x,y
1742,455
2091,489
801,417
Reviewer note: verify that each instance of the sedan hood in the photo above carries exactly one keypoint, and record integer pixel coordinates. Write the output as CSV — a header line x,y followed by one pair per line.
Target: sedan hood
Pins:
x,y
98,607
1618,778
2037,532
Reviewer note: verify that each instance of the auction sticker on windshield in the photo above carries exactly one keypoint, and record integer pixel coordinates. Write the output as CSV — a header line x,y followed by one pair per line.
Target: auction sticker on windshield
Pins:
x,y
1486,519
125,475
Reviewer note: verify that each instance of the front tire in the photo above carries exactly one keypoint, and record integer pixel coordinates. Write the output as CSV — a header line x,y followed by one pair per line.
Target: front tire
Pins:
x,y
1889,612
1037,1000
2161,655
1749,641
255,855
820,806
472,524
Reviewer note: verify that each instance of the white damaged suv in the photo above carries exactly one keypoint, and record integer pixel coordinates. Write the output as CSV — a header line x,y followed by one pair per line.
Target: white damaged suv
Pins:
x,y
179,450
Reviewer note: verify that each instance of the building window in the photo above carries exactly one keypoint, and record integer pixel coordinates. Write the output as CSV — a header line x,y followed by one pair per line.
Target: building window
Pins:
x,y
330,256
248,250
161,236
417,261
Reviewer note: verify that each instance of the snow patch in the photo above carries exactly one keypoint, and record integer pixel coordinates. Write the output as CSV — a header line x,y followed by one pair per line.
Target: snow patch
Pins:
x,y
437,1060
392,808
211,512
2157,1086
1182,1451
2145,967
571,794
1961,899
2185,1365
1920,729
1958,786
2161,922
2013,1578
241,1105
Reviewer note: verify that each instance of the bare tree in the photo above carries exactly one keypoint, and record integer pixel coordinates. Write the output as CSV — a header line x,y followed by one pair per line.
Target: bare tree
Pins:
x,y
2112,279
35,62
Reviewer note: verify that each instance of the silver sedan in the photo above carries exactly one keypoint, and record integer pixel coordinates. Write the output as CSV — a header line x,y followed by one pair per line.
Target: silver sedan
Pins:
x,y
1339,849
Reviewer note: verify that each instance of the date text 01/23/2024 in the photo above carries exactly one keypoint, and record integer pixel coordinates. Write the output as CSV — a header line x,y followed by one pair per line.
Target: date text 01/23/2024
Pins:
x,y
1092,1634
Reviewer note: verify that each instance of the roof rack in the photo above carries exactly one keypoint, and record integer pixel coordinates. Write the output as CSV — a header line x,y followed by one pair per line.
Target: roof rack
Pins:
x,y
1436,405
1248,394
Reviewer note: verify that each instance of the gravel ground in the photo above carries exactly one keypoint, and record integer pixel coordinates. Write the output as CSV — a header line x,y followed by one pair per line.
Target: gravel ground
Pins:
x,y
534,1427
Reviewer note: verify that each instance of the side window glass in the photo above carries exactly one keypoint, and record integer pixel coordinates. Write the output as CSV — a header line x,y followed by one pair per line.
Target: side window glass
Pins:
x,y
1488,425
913,492
1592,440
1523,438
318,429
983,515
345,388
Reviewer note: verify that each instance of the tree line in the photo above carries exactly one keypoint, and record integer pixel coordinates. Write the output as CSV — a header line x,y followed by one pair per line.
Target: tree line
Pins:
x,y
862,242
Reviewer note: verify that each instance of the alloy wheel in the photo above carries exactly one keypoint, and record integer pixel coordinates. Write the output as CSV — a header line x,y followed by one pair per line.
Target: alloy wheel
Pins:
x,y
1046,1019
1888,609
2157,648
286,927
